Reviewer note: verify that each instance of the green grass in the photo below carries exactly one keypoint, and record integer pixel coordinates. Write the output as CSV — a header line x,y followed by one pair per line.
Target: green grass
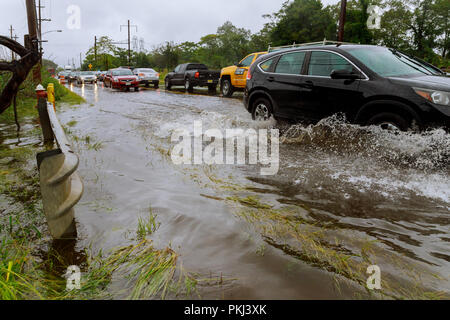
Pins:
x,y
147,226
25,109
27,101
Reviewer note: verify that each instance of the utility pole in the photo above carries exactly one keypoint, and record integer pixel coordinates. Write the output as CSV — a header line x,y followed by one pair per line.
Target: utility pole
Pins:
x,y
342,20
12,52
15,39
129,39
95,52
80,62
129,44
40,27
32,39
32,23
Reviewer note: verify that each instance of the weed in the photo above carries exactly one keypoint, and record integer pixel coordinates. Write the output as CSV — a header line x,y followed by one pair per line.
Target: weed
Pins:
x,y
147,226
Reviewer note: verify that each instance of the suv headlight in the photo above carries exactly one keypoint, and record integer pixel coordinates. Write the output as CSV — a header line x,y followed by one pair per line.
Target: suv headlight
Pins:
x,y
437,97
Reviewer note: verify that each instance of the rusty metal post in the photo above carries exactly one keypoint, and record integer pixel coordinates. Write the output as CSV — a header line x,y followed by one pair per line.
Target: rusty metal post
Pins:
x,y
45,122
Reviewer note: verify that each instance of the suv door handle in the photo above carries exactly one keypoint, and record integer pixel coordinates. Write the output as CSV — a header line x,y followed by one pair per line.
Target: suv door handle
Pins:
x,y
309,84
271,79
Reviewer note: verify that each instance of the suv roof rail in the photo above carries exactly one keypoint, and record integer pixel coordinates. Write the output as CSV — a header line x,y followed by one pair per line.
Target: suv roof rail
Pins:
x,y
299,45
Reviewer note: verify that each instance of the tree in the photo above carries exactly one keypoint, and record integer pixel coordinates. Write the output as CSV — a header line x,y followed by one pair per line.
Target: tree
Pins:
x,y
106,52
395,26
302,21
442,10
29,57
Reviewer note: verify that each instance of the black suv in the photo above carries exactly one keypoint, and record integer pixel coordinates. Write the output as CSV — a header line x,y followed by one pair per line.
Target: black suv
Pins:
x,y
371,85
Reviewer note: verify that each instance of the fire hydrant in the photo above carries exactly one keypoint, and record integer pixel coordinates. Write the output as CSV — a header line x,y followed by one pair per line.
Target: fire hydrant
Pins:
x,y
40,92
51,94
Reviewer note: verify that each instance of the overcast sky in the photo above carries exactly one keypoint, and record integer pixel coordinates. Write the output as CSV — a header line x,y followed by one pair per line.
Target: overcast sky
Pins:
x,y
157,20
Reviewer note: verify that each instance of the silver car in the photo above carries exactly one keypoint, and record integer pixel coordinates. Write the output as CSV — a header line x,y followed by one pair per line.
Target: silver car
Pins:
x,y
86,77
147,76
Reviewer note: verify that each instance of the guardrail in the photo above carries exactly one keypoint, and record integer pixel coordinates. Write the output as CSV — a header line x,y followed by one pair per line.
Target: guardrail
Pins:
x,y
61,186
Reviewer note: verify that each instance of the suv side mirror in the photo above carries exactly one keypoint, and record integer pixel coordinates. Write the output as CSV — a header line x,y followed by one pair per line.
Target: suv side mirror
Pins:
x,y
344,75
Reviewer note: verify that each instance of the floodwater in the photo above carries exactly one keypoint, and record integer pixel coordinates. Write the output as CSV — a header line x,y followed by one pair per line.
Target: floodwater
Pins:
x,y
376,196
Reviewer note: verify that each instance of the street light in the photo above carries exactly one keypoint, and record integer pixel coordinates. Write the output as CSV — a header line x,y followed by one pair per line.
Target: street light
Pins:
x,y
52,31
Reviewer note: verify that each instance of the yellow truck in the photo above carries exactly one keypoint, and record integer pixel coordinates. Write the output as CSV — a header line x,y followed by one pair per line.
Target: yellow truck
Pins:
x,y
234,78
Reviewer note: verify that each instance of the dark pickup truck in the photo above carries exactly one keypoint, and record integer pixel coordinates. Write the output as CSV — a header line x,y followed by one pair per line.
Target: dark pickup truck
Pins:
x,y
193,75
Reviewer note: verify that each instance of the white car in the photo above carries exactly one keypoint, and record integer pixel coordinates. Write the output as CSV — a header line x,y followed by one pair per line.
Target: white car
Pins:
x,y
86,77
147,76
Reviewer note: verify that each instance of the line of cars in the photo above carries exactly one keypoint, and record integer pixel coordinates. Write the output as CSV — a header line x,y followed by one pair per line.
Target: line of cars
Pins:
x,y
79,77
370,85
124,78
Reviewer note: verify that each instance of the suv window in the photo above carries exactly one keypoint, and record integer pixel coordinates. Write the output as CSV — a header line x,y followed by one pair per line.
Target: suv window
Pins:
x,y
177,69
323,63
291,63
267,65
247,61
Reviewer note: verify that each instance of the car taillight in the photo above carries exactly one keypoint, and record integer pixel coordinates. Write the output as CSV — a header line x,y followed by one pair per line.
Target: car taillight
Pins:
x,y
141,75
157,75
249,75
197,74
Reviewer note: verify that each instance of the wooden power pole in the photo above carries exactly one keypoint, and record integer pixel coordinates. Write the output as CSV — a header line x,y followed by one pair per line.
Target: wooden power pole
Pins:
x,y
95,52
129,39
32,38
342,20
13,57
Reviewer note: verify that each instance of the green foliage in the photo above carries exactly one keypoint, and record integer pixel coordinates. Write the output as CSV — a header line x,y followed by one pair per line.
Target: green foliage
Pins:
x,y
26,97
419,27
302,21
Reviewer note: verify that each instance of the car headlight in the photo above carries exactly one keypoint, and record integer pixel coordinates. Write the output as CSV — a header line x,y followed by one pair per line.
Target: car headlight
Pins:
x,y
437,97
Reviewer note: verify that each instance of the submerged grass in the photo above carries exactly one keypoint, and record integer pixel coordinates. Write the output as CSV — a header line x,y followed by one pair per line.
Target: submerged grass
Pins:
x,y
147,226
287,229
30,268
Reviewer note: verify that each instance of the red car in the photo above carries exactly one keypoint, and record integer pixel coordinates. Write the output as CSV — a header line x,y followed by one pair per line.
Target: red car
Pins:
x,y
122,79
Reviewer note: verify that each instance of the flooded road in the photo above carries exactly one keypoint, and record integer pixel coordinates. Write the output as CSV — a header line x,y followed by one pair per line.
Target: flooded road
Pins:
x,y
345,198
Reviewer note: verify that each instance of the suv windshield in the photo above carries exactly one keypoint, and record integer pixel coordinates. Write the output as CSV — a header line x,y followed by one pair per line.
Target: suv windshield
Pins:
x,y
87,73
123,72
388,62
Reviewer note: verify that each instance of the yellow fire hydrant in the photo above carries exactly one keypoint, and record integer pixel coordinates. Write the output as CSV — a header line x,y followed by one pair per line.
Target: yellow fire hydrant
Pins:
x,y
51,94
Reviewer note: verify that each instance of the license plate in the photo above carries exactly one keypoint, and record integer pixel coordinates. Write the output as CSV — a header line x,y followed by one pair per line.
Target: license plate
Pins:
x,y
210,81
128,83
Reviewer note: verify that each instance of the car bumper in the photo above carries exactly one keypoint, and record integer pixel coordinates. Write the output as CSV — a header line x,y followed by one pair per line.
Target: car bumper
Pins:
x,y
148,79
204,83
122,85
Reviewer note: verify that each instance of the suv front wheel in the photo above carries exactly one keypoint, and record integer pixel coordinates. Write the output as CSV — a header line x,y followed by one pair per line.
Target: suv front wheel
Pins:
x,y
390,121
262,110
227,88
